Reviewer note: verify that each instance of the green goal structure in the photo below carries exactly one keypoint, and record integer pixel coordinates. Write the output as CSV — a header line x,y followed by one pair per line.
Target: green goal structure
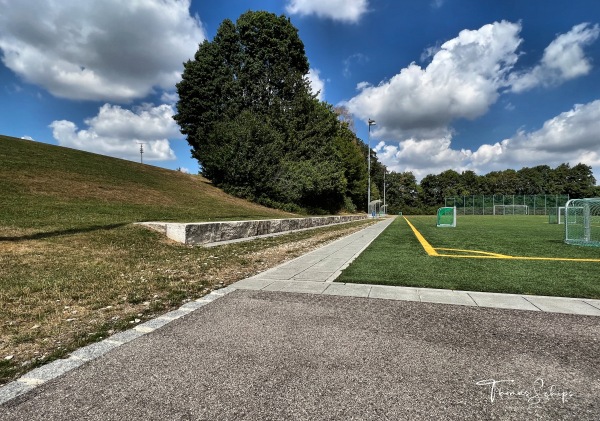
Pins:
x,y
582,222
446,217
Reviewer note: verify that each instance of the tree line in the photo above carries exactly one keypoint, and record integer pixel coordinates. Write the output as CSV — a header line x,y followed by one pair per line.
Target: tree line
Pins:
x,y
259,132
404,194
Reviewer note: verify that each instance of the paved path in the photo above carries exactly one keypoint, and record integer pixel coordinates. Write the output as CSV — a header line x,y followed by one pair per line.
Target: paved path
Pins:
x,y
264,348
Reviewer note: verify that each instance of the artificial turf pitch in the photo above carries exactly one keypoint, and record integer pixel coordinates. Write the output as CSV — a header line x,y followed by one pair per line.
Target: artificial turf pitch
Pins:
x,y
519,254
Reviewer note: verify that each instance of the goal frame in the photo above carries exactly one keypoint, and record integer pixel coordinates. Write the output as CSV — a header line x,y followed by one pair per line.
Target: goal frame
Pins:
x,y
581,222
561,213
439,214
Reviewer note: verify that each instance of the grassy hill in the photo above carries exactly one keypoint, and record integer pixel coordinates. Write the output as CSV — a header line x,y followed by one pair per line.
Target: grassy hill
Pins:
x,y
44,186
73,269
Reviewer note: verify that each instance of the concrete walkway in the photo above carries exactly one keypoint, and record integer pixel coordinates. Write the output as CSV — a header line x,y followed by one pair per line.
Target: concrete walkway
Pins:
x,y
315,272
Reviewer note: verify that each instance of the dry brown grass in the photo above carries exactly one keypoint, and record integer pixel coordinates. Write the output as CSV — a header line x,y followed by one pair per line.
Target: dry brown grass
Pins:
x,y
67,291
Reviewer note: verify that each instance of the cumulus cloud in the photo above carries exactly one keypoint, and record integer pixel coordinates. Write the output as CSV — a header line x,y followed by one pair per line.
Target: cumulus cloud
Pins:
x,y
342,10
144,122
316,83
563,59
169,97
415,109
424,156
118,132
462,81
569,137
109,50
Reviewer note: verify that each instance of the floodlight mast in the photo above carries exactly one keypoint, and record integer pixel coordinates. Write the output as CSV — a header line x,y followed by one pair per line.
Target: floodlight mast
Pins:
x,y
371,123
384,205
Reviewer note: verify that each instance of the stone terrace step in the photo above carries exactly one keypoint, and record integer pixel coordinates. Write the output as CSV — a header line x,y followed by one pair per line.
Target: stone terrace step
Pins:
x,y
213,232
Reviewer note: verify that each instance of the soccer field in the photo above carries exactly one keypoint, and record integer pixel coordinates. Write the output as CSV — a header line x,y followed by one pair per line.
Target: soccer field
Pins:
x,y
512,253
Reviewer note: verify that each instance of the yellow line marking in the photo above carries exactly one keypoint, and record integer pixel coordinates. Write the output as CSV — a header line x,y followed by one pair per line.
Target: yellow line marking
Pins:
x,y
430,250
556,259
487,253
475,254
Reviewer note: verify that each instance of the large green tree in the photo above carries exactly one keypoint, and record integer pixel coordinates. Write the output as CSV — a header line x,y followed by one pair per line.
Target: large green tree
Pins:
x,y
254,125
578,182
351,150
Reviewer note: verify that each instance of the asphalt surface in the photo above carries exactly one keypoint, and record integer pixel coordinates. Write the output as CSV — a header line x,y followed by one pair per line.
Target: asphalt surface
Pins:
x,y
265,355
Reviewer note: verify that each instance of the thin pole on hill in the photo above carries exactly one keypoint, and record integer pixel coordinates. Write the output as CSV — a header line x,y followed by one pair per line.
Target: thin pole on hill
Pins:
x,y
141,152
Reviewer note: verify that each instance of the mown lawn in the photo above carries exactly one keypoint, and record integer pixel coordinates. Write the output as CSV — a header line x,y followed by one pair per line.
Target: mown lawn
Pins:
x,y
397,258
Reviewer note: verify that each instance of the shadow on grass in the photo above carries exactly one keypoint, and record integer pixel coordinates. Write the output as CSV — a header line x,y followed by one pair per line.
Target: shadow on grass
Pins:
x,y
71,231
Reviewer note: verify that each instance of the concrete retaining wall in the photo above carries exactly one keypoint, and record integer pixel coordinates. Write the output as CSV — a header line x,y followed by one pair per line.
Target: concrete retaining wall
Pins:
x,y
214,232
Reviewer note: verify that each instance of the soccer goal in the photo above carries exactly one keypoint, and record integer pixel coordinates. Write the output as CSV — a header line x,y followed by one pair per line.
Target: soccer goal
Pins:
x,y
446,217
511,210
582,222
557,215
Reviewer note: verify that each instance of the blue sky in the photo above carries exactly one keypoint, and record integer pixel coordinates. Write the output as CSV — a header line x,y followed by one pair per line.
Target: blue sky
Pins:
x,y
460,84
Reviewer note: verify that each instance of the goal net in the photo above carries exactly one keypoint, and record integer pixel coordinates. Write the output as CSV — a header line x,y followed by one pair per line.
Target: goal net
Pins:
x,y
556,215
582,222
446,217
511,210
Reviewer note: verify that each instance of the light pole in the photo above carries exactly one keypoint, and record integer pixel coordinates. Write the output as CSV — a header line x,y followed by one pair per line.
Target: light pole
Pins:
x,y
371,123
384,208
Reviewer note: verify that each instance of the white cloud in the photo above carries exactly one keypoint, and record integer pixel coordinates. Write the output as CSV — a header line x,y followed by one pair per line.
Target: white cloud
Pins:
x,y
109,50
563,59
118,132
342,10
414,109
362,85
571,137
27,138
170,97
422,157
145,122
462,81
316,83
